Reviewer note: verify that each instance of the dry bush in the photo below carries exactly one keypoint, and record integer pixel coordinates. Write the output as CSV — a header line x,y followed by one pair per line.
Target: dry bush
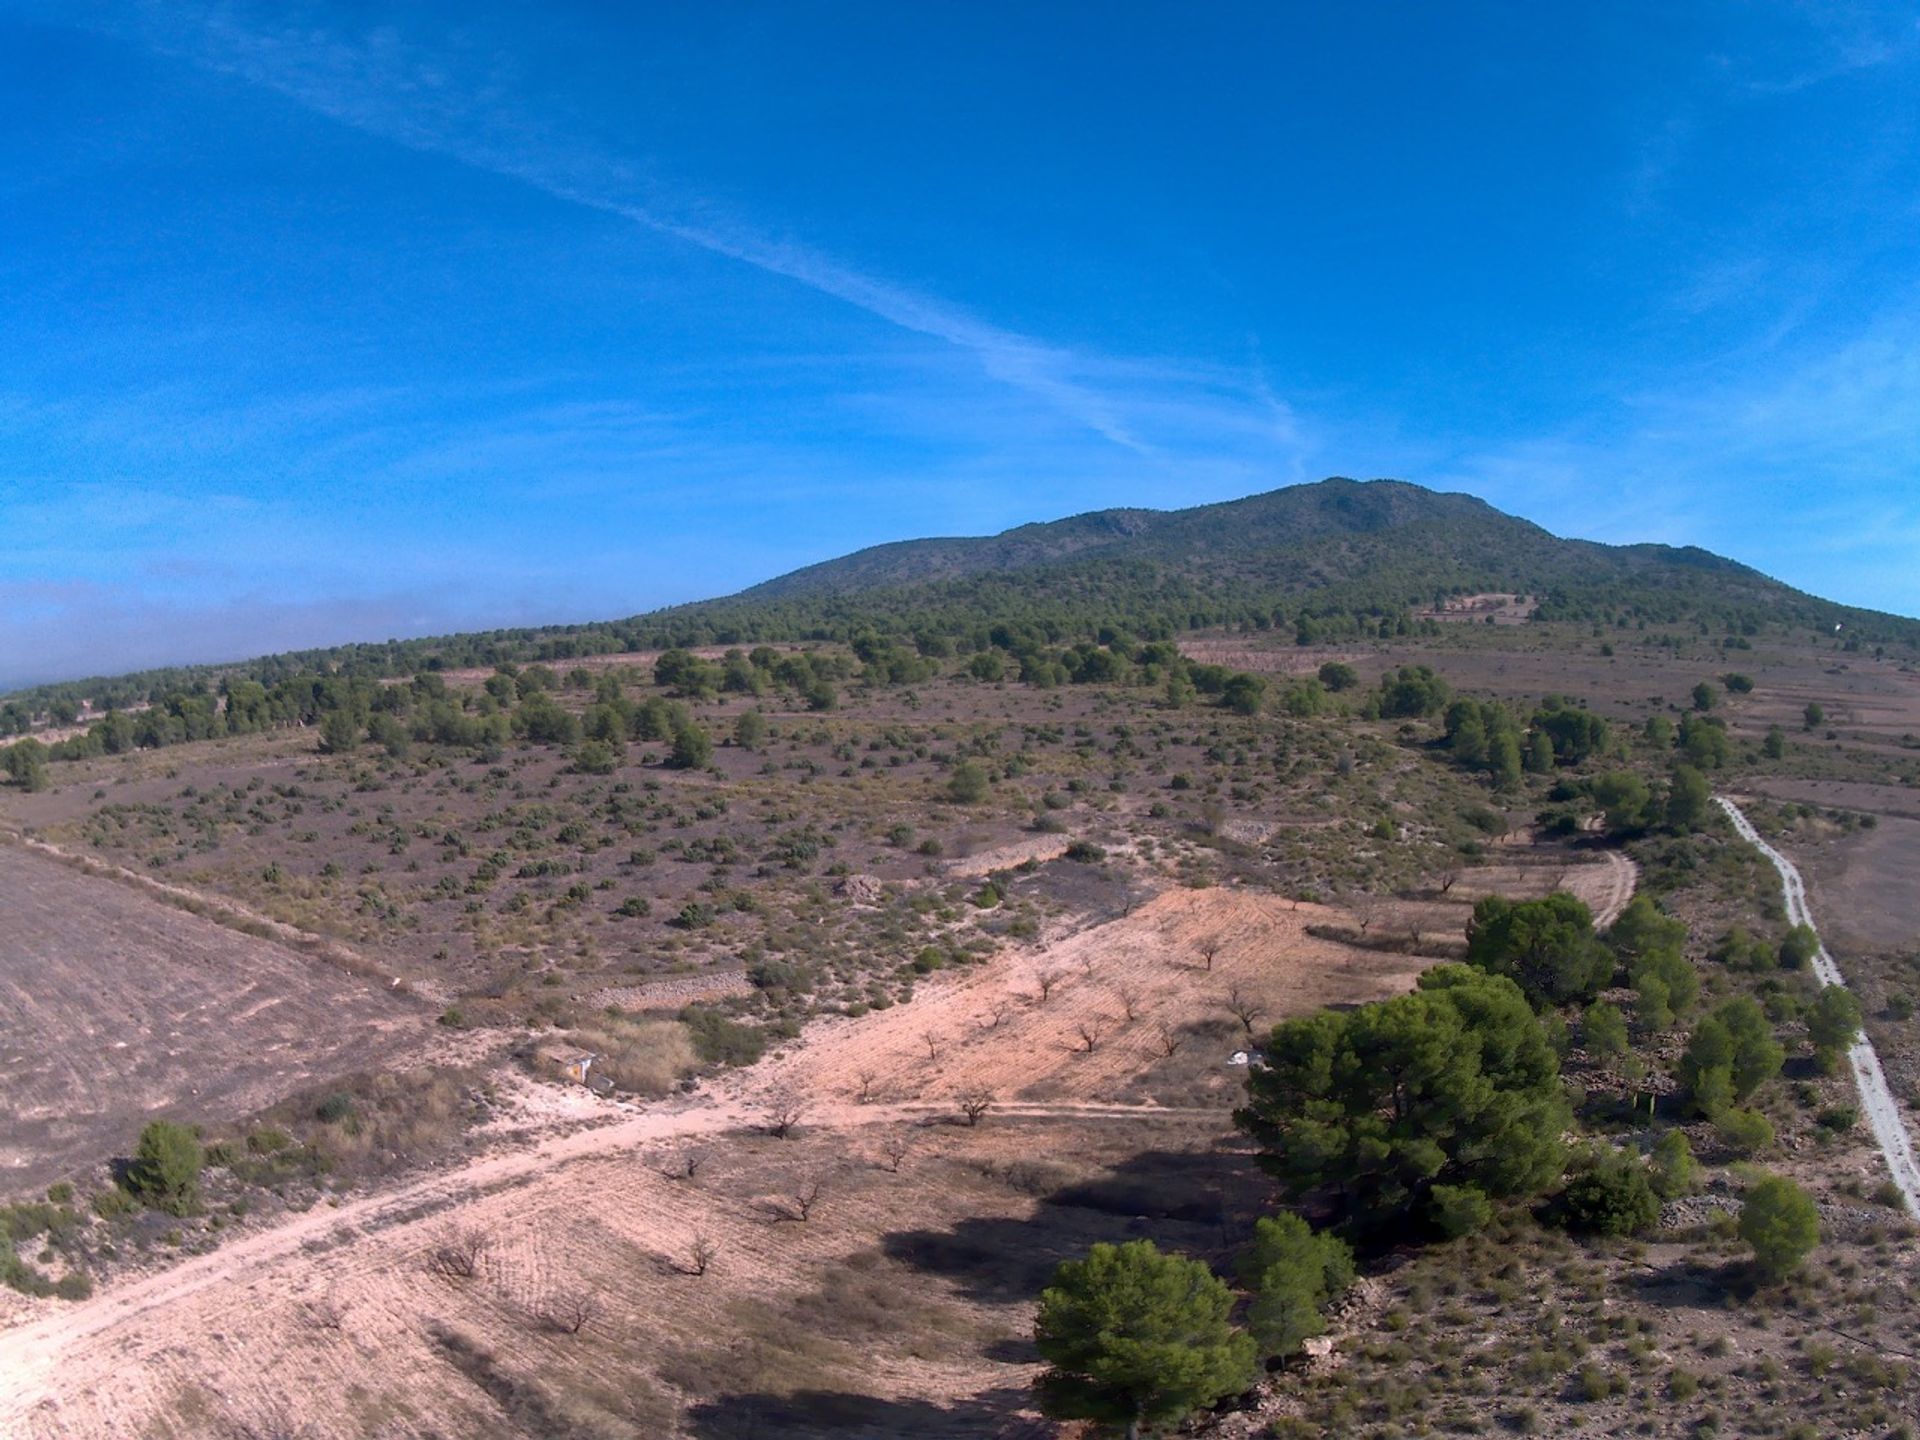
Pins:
x,y
407,1114
974,1103
701,1251
799,1203
569,1313
1244,1008
323,1314
784,1109
459,1255
685,1164
896,1148
646,1057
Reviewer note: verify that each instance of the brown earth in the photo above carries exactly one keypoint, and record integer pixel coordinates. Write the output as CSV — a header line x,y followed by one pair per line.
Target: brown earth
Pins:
x,y
115,1009
330,1324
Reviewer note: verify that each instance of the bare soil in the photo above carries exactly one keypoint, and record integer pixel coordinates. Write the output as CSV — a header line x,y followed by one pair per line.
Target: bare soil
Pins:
x,y
116,1009
333,1324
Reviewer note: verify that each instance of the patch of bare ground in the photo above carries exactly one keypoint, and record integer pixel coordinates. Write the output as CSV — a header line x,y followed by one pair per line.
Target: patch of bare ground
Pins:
x,y
1187,977
115,1009
774,1252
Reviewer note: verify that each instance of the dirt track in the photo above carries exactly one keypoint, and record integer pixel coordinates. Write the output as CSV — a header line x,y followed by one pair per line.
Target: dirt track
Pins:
x,y
1876,1098
106,1367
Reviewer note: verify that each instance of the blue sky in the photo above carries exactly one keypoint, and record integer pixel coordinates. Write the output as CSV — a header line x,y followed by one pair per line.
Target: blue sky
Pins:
x,y
344,321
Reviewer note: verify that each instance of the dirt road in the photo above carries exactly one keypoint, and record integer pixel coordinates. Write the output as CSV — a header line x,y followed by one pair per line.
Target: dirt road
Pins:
x,y
1883,1111
30,1355
1610,899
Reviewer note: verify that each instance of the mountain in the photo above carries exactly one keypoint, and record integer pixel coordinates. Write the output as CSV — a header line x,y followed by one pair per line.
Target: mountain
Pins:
x,y
1335,531
1331,560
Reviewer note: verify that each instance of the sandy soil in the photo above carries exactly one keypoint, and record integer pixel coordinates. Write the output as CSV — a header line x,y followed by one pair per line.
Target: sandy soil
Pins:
x,y
115,1008
993,1030
240,1336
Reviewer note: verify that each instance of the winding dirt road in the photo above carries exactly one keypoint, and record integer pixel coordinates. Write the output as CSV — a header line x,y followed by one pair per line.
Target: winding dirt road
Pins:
x,y
1883,1111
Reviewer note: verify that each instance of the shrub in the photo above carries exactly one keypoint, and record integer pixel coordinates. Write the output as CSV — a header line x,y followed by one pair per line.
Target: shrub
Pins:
x,y
1675,1171
165,1172
336,1108
1610,1195
968,783
1780,1224
1292,1274
719,1040
1746,1131
1459,1210
1833,1024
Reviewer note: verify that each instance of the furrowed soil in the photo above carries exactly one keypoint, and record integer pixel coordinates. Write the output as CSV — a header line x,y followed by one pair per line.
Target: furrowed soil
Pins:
x,y
899,1304
116,1009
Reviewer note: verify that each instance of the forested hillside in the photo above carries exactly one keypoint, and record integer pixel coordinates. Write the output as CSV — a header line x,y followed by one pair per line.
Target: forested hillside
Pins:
x,y
1334,560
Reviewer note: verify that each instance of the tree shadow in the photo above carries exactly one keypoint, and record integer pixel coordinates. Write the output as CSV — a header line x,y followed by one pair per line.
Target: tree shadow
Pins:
x,y
1201,1202
1691,1285
845,1415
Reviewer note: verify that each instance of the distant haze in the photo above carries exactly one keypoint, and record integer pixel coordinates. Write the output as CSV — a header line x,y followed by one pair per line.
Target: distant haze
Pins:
x,y
342,323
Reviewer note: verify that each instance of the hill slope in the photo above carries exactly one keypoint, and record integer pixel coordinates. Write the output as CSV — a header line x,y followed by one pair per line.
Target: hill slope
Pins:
x,y
1343,530
1332,559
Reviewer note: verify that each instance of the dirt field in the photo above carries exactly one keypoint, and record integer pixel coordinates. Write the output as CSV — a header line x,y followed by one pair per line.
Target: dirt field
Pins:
x,y
1864,883
115,1008
331,1325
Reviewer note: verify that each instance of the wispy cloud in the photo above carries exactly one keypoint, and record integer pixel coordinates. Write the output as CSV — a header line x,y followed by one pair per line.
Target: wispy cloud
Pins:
x,y
1825,438
465,109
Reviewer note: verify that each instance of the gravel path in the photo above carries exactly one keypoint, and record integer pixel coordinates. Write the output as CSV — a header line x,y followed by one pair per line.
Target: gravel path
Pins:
x,y
1883,1111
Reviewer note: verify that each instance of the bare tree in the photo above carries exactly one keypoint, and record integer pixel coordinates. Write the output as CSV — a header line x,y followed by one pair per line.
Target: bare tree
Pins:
x,y
1209,948
700,1253
1168,1039
685,1164
1244,1008
895,1147
1046,980
932,1039
1129,998
570,1312
323,1314
784,1110
867,1079
458,1256
994,1016
1089,1033
802,1199
975,1103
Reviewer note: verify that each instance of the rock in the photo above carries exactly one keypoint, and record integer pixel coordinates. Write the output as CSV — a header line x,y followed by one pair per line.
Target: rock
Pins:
x,y
860,889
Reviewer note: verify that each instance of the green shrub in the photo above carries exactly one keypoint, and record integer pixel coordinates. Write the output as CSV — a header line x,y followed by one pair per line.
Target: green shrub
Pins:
x,y
1779,1222
165,1172
1609,1195
335,1108
1675,1171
